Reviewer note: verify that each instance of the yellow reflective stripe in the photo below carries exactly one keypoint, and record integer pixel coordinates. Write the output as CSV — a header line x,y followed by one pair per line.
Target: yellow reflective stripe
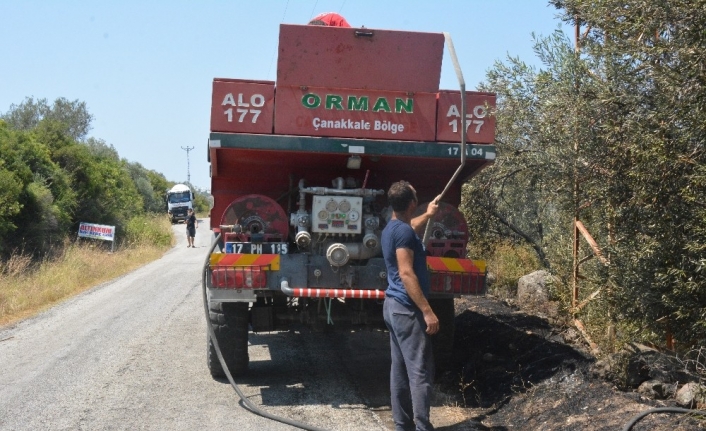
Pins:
x,y
263,261
215,258
453,264
480,264
246,260
274,265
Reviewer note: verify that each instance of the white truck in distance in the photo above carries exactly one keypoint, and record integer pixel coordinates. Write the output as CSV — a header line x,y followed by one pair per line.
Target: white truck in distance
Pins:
x,y
179,199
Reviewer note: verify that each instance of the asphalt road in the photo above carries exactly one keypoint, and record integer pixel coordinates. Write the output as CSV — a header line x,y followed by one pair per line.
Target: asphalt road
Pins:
x,y
131,354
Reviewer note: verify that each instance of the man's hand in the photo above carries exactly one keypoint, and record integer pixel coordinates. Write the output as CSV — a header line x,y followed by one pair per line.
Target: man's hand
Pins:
x,y
433,206
432,322
419,223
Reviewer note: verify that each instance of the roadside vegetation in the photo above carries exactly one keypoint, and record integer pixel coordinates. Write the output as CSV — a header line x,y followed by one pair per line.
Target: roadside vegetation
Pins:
x,y
609,131
29,285
52,178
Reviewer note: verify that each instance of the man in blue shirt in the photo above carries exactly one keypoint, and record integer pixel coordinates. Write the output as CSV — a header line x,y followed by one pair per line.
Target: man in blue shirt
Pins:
x,y
407,313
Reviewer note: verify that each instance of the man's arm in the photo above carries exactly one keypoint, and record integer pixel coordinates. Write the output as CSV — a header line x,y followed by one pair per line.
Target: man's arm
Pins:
x,y
419,223
405,257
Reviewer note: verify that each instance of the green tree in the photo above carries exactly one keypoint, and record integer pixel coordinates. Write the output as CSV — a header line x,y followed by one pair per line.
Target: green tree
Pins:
x,y
650,117
47,223
202,200
73,115
101,149
106,192
151,186
160,185
527,195
41,191
615,134
10,186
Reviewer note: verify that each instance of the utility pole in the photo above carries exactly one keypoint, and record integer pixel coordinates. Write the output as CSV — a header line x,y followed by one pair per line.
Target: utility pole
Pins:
x,y
188,174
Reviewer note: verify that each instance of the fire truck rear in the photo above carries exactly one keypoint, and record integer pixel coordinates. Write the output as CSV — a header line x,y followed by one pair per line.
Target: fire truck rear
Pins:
x,y
300,168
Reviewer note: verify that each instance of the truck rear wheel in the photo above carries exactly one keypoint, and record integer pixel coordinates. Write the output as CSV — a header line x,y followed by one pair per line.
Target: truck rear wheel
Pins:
x,y
230,324
214,365
443,341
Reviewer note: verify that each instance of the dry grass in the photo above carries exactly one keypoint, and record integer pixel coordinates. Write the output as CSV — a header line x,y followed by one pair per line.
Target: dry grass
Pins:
x,y
27,288
508,263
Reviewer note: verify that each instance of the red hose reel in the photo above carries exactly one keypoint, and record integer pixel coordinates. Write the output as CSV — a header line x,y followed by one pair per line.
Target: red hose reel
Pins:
x,y
255,218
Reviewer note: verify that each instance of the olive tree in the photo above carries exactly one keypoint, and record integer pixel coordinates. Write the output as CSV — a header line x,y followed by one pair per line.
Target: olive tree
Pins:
x,y
73,115
611,130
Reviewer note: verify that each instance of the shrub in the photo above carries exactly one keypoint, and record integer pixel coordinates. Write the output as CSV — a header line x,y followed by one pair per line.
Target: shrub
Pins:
x,y
147,229
507,263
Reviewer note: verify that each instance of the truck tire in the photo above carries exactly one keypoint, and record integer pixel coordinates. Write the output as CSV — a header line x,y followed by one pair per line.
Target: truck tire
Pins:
x,y
443,341
214,365
230,324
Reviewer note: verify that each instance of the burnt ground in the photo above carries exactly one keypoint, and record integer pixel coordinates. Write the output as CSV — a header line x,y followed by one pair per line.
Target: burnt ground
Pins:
x,y
516,371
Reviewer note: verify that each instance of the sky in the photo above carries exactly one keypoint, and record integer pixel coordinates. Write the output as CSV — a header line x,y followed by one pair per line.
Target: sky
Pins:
x,y
145,68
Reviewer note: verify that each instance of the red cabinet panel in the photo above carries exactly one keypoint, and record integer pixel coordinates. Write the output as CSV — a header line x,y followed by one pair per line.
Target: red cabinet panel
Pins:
x,y
241,106
480,124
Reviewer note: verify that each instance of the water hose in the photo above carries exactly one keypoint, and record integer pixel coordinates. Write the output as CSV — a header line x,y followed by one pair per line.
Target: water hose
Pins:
x,y
462,85
246,402
636,418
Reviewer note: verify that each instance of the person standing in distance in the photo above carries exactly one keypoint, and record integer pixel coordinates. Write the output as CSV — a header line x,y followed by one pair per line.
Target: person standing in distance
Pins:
x,y
406,311
191,225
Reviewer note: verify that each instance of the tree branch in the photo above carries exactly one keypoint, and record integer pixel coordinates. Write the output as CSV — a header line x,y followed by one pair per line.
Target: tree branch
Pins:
x,y
527,238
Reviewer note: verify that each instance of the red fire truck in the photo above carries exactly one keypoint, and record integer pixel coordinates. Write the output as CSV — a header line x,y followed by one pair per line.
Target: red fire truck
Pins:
x,y
300,168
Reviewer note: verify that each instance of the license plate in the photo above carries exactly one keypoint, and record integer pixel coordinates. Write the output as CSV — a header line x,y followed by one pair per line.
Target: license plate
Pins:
x,y
262,248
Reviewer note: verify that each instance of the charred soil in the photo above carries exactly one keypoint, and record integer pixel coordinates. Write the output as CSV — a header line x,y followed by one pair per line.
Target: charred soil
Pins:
x,y
517,371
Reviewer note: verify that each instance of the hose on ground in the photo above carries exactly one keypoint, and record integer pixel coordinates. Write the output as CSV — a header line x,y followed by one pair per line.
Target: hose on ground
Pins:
x,y
637,418
246,402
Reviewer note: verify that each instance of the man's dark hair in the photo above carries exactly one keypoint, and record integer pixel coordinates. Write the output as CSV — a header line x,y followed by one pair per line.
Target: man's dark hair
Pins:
x,y
400,195
317,22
